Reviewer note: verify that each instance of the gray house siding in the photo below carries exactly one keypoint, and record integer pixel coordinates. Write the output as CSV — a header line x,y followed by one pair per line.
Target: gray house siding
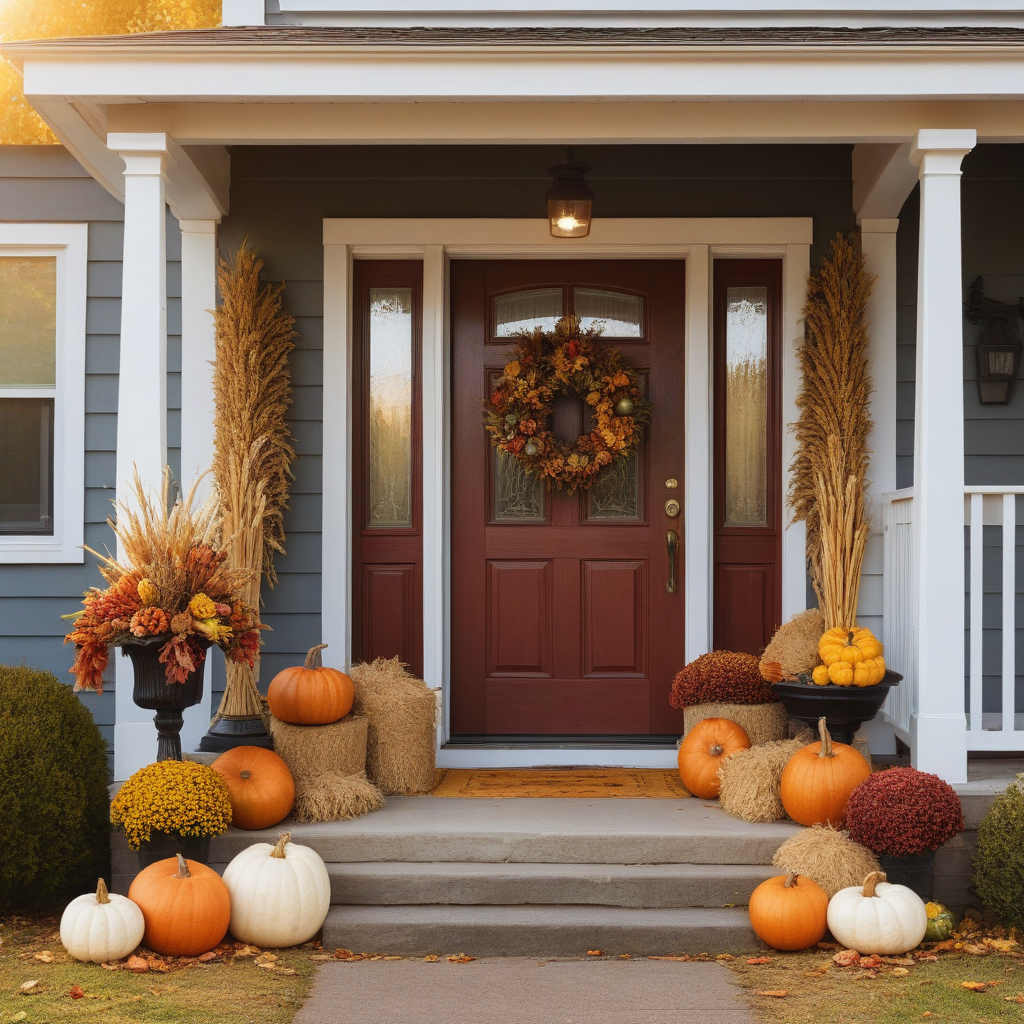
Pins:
x,y
992,196
44,183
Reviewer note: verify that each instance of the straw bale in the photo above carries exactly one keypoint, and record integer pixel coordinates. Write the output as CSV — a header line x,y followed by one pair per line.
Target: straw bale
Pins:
x,y
750,781
794,648
402,713
827,856
761,722
328,763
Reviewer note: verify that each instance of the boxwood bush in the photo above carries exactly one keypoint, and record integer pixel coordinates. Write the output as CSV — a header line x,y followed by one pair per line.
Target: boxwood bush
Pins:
x,y
999,861
54,823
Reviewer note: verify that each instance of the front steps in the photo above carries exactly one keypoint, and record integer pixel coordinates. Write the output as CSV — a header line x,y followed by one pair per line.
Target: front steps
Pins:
x,y
532,877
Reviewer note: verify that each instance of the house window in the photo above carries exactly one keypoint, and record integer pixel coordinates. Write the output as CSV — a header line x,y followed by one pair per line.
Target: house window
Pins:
x,y
42,391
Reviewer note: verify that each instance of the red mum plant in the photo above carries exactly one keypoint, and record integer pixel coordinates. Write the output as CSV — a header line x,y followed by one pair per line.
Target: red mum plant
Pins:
x,y
725,677
903,813
173,585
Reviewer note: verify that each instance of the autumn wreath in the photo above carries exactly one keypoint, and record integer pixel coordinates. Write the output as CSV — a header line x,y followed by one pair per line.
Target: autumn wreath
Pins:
x,y
567,360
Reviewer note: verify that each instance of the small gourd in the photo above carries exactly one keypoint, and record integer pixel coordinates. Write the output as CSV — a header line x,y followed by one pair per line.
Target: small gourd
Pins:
x,y
941,922
280,893
311,694
788,912
820,675
878,917
703,750
852,657
101,926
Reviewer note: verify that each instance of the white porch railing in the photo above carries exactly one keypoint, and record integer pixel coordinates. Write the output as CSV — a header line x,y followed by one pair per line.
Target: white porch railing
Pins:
x,y
1000,507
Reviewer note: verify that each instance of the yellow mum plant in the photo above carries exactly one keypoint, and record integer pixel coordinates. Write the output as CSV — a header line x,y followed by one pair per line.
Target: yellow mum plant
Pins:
x,y
172,796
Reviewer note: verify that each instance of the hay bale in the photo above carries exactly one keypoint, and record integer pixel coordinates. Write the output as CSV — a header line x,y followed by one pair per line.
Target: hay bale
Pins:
x,y
794,648
827,856
402,713
761,722
750,781
328,764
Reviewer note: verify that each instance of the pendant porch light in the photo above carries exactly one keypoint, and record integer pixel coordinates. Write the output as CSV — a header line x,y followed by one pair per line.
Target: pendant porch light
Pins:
x,y
569,200
999,351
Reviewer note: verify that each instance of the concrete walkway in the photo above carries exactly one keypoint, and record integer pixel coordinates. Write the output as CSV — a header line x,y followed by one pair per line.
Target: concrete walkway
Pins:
x,y
524,991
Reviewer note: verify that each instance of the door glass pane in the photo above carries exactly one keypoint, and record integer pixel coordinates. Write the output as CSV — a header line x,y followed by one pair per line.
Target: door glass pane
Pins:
x,y
746,406
390,433
615,493
518,496
527,311
26,465
28,321
619,315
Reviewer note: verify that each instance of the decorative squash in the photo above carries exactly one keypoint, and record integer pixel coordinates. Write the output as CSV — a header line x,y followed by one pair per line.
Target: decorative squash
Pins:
x,y
820,675
280,894
311,694
101,926
789,912
941,922
853,657
261,786
703,749
819,778
185,904
878,918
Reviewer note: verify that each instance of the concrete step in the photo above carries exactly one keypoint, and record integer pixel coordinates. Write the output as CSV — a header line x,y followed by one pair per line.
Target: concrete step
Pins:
x,y
532,831
613,885
537,931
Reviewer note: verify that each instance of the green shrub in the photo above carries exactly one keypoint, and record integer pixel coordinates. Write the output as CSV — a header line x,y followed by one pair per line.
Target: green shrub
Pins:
x,y
54,824
999,862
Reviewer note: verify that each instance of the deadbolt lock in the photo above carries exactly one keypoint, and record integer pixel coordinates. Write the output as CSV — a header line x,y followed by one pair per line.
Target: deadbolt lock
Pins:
x,y
672,508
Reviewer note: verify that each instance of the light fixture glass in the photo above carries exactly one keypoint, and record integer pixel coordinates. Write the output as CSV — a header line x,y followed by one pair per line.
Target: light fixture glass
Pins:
x,y
999,351
569,200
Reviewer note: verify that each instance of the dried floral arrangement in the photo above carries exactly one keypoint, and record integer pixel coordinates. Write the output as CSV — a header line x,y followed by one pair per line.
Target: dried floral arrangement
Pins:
x,y
831,463
725,677
172,796
252,445
903,812
172,584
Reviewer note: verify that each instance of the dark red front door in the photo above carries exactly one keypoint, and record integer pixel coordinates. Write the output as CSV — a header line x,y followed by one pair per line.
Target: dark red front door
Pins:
x,y
562,624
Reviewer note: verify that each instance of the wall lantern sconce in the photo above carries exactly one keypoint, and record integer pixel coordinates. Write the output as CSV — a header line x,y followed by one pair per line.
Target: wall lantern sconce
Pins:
x,y
569,200
999,347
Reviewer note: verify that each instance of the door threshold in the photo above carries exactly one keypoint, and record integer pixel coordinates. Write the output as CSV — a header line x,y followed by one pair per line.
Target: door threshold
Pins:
x,y
561,755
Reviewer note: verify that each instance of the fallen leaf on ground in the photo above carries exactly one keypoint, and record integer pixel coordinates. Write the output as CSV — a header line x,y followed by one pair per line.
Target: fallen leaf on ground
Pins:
x,y
44,956
287,970
922,956
595,952
246,951
725,956
846,958
205,958
459,958
1018,998
625,956
267,966
394,958
76,992
266,958
927,1013
111,967
870,962
773,993
898,961
1000,945
321,956
343,954
759,960
431,959
900,972
974,986
160,966
30,988
137,964
977,948
684,959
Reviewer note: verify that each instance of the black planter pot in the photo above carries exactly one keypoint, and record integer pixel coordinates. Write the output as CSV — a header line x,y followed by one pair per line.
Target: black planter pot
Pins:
x,y
169,844
846,708
229,731
168,700
917,873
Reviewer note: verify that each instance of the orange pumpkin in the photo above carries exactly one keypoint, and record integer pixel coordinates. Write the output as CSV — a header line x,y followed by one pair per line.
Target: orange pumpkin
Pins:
x,y
789,912
185,904
703,749
310,694
261,786
818,780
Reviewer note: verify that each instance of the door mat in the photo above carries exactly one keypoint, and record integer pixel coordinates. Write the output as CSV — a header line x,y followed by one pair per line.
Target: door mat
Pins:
x,y
584,783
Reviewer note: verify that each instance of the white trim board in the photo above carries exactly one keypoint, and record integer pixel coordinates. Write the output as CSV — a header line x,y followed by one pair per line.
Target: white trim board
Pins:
x,y
699,241
69,243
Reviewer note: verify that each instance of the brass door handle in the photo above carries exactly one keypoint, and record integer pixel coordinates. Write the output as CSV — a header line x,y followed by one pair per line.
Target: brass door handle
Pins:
x,y
671,542
671,508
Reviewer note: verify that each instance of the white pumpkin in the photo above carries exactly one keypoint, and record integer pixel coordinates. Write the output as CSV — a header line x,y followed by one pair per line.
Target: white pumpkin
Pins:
x,y
280,894
101,926
878,917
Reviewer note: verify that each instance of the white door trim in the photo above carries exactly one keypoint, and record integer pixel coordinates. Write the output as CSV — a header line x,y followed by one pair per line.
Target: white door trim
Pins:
x,y
436,242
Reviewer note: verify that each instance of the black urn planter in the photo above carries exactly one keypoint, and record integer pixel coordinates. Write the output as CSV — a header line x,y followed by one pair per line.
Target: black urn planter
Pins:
x,y
845,708
162,845
917,873
168,700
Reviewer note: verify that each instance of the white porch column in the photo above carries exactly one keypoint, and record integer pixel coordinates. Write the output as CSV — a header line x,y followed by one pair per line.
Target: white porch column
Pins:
x,y
198,351
142,385
938,729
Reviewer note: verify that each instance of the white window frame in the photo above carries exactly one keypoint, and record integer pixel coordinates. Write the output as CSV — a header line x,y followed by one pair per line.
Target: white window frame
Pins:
x,y
70,244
